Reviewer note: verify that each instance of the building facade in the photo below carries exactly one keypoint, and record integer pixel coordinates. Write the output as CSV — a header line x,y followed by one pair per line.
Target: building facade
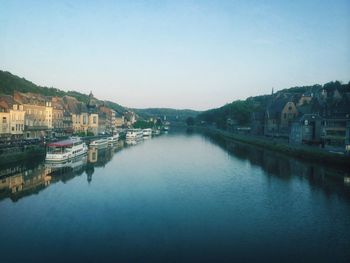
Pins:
x,y
38,120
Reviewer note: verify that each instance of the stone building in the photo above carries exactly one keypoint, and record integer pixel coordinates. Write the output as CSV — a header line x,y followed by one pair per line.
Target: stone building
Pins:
x,y
38,120
12,117
279,115
307,130
119,120
106,120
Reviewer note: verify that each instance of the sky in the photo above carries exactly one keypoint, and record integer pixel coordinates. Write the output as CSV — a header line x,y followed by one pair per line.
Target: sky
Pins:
x,y
178,54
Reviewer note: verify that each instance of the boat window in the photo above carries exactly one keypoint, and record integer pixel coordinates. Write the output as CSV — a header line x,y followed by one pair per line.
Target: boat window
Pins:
x,y
55,150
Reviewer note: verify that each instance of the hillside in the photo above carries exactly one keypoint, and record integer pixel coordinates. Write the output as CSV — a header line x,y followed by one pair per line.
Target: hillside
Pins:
x,y
241,110
171,114
10,83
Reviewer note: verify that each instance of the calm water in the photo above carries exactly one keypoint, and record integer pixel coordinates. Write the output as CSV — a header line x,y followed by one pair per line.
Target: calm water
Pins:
x,y
178,197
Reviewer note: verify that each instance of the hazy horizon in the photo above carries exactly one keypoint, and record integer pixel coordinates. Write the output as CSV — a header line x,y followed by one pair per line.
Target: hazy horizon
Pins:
x,y
185,54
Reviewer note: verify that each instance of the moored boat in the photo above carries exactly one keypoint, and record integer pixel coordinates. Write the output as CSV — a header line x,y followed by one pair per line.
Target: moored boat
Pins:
x,y
65,150
134,134
113,139
147,132
99,144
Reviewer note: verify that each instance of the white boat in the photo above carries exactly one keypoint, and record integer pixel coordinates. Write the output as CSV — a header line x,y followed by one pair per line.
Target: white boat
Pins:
x,y
113,139
99,144
74,163
65,150
134,134
156,132
147,132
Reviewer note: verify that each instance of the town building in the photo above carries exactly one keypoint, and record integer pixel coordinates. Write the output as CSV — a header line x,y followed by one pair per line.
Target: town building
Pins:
x,y
85,122
279,115
119,120
106,120
130,118
17,120
38,120
306,130
12,117
4,124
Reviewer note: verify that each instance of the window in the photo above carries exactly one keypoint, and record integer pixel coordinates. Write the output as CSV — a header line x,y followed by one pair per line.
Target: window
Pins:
x,y
4,120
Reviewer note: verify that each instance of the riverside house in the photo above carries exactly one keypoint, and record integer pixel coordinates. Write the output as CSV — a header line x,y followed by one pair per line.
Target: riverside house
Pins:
x,y
12,117
279,115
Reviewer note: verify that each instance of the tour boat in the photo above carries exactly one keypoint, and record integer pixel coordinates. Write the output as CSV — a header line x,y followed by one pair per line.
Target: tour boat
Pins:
x,y
134,134
73,163
65,150
99,144
113,139
147,132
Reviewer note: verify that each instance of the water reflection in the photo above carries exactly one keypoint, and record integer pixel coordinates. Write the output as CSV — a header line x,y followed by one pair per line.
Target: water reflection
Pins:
x,y
331,179
30,178
20,181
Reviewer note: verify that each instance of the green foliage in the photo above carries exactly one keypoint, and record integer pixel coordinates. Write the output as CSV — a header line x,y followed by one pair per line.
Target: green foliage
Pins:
x,y
114,106
190,121
171,114
241,111
10,83
80,134
238,110
143,124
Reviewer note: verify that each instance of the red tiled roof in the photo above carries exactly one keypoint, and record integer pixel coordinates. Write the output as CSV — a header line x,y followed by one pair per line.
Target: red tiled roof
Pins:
x,y
64,143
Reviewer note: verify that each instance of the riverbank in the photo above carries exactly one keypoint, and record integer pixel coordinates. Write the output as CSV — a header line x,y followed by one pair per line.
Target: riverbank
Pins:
x,y
300,151
19,154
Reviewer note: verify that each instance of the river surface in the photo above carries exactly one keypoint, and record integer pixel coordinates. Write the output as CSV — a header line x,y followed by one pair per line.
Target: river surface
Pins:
x,y
179,197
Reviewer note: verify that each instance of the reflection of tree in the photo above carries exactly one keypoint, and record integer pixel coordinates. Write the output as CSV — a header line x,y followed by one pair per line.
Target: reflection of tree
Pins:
x,y
330,179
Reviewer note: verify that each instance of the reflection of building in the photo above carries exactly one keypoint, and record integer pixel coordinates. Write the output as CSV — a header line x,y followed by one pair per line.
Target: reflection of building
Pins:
x,y
24,182
93,155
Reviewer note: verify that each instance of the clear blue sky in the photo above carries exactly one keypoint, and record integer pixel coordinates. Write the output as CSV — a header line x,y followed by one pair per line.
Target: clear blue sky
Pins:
x,y
181,54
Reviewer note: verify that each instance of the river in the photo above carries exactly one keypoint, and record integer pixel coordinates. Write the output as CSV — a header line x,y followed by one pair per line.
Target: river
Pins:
x,y
179,197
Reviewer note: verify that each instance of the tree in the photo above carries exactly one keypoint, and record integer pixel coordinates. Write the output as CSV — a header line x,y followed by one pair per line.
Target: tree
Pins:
x,y
190,121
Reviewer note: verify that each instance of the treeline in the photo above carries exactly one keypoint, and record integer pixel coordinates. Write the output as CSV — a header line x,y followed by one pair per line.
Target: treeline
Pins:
x,y
10,83
171,114
241,110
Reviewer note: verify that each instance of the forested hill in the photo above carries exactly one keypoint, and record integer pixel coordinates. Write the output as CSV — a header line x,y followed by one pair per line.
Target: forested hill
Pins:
x,y
171,114
10,83
241,110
